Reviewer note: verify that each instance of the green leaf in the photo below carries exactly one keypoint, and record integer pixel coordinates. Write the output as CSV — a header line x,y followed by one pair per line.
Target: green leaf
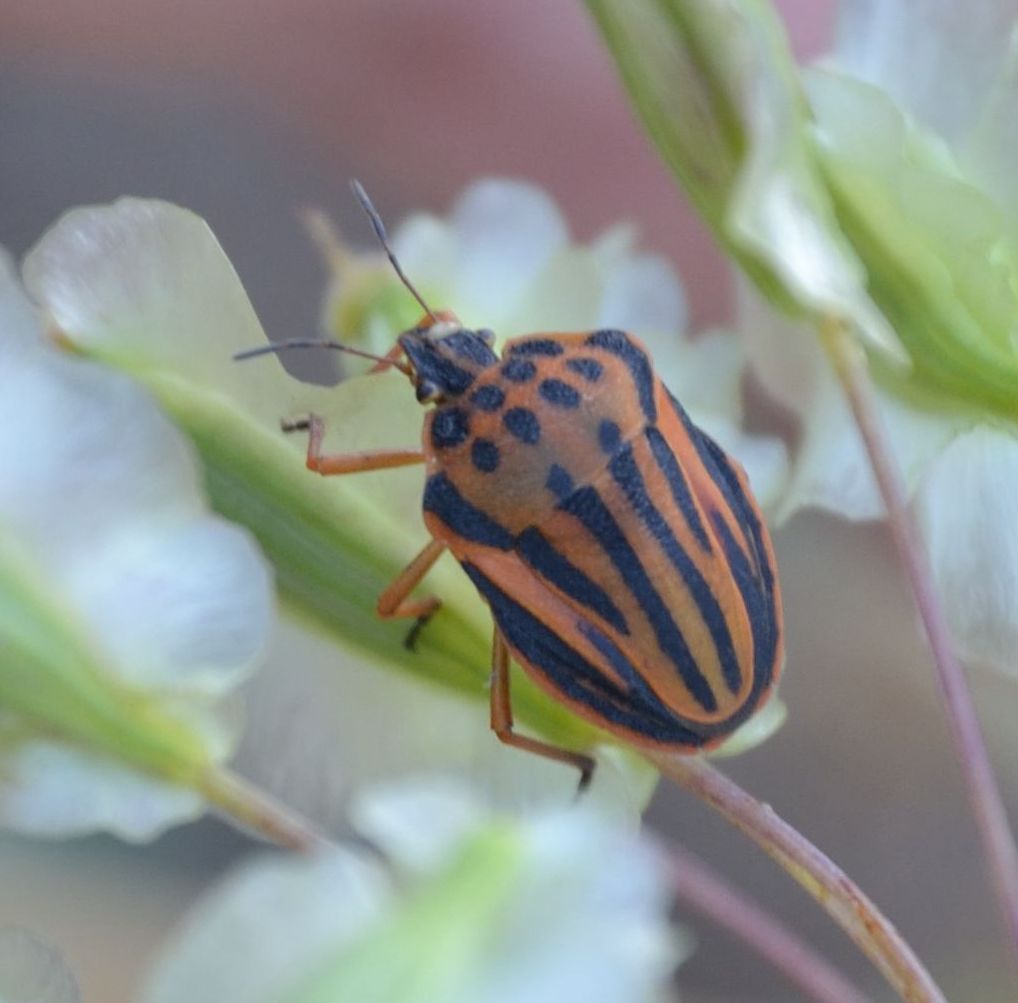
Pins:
x,y
716,87
55,684
941,253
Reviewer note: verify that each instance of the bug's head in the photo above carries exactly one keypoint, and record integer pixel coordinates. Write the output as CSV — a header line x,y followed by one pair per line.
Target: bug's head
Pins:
x,y
445,358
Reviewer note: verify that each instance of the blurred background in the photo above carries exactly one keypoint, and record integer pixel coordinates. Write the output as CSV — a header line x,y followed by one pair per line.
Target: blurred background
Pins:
x,y
245,111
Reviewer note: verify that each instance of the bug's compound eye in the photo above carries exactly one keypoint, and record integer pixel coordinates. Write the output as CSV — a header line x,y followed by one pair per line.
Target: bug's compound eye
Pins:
x,y
427,392
487,336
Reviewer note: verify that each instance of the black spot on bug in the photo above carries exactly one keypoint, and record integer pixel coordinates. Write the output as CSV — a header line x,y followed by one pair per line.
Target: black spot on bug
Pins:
x,y
449,428
559,393
590,369
519,370
559,482
537,346
522,423
619,343
488,397
609,435
484,454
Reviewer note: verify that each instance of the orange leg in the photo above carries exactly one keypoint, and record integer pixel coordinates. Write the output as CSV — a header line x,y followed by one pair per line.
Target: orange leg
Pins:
x,y
347,463
502,718
393,602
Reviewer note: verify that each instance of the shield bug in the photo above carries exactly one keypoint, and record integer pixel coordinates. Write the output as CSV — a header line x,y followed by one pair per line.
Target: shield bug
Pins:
x,y
626,565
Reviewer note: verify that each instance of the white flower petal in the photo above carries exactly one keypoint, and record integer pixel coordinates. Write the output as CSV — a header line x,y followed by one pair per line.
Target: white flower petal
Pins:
x,y
706,372
562,297
579,930
426,248
761,726
965,507
509,911
187,608
951,66
104,492
147,284
33,972
642,294
101,508
417,822
54,791
266,929
938,59
830,469
505,232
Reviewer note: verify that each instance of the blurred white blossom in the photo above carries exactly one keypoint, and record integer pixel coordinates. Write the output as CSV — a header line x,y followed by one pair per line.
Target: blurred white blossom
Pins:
x,y
463,907
127,609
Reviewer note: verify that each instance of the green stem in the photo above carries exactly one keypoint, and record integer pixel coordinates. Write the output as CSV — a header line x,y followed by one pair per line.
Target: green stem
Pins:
x,y
249,808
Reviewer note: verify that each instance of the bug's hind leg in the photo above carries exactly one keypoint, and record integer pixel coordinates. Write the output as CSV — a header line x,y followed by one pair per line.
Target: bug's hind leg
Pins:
x,y
346,463
393,602
502,719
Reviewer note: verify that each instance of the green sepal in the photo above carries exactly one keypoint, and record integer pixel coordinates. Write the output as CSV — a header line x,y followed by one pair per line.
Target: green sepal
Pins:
x,y
54,685
438,933
718,92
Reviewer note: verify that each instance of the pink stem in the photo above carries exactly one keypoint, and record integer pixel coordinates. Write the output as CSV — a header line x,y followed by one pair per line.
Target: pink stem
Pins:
x,y
839,896
248,807
701,888
984,794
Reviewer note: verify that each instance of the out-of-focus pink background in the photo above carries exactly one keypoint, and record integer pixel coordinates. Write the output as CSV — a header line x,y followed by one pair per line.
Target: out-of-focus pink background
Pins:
x,y
245,111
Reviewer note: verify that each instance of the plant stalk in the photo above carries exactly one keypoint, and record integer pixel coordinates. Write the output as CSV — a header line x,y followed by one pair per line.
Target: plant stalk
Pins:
x,y
839,896
987,805
701,888
249,808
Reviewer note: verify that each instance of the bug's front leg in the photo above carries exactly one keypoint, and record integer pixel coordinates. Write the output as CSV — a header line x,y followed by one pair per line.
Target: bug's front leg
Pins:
x,y
502,719
346,463
393,602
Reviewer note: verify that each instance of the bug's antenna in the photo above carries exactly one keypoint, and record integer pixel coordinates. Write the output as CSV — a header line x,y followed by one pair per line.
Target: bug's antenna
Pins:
x,y
285,346
383,239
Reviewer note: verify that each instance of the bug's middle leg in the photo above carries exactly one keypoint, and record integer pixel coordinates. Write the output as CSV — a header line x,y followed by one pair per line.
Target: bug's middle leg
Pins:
x,y
347,463
502,719
393,602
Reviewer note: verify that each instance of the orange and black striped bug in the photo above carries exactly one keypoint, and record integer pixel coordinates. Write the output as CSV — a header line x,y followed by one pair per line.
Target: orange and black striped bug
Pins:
x,y
626,564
